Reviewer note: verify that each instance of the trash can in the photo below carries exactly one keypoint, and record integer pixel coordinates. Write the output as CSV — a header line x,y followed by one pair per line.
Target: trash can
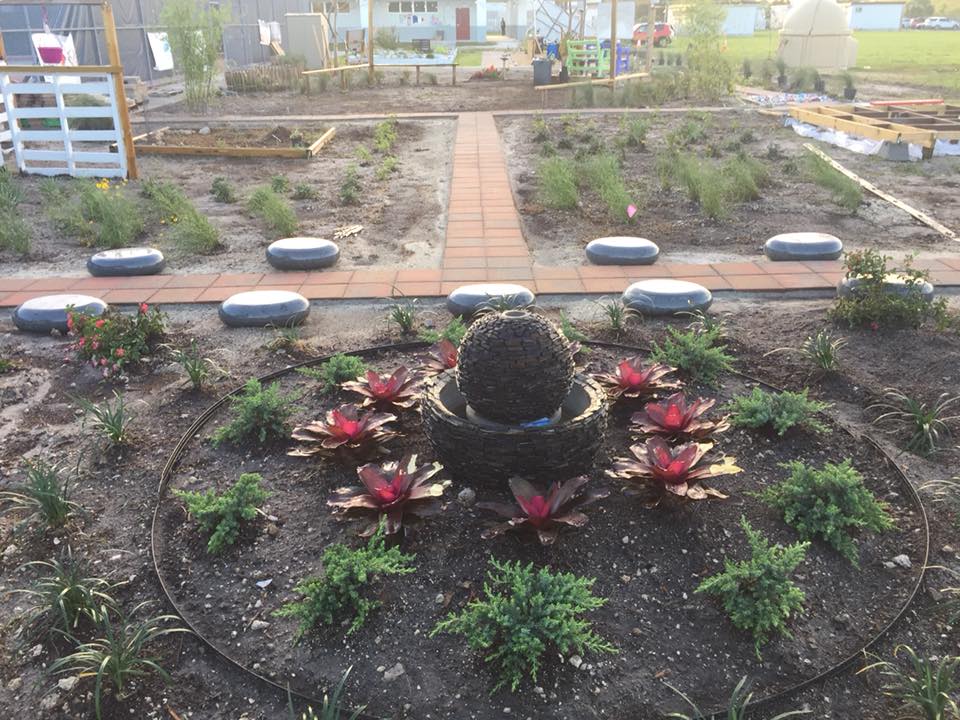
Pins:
x,y
541,71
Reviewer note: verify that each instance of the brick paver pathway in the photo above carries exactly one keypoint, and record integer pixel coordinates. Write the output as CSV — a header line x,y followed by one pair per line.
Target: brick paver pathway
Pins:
x,y
484,243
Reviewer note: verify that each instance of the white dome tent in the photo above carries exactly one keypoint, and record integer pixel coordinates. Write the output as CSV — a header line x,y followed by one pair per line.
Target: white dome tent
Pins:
x,y
816,34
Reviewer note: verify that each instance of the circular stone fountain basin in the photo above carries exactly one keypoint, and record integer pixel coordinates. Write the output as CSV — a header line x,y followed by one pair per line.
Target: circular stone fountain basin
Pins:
x,y
473,449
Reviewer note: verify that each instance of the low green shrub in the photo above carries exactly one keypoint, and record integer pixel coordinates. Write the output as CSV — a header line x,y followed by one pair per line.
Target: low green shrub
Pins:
x,y
338,369
191,231
304,191
363,155
385,135
830,503
633,131
387,167
453,331
872,303
696,354
341,591
260,414
350,188
757,593
222,514
780,411
525,613
280,184
844,191
223,191
96,213
280,218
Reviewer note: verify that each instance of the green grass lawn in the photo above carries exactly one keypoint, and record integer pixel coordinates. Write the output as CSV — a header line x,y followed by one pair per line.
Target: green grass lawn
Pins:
x,y
469,57
919,57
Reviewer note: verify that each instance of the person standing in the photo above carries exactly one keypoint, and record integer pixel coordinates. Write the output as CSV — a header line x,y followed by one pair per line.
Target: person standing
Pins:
x,y
503,26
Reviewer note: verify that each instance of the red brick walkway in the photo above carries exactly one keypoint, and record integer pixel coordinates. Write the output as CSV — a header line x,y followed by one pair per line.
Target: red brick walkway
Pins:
x,y
484,243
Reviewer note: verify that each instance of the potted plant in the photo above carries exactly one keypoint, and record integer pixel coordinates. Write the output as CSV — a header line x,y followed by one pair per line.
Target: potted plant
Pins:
x,y
745,69
819,85
849,90
782,73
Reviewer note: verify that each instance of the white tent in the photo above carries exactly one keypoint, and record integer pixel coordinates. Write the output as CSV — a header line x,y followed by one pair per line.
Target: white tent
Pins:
x,y
816,34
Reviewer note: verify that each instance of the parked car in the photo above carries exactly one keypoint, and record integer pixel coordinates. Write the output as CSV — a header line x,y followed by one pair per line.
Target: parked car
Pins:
x,y
940,23
916,23
662,34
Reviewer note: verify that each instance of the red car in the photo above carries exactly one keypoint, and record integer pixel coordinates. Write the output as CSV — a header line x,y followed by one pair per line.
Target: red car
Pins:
x,y
662,34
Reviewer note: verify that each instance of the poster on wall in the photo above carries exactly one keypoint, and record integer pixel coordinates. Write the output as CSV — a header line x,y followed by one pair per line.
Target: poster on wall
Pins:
x,y
160,49
54,49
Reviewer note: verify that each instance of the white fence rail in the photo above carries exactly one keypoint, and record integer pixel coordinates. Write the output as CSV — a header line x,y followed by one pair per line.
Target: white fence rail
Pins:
x,y
48,140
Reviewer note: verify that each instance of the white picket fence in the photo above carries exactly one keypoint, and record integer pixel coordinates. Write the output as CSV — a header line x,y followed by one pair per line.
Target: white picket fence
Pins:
x,y
46,144
5,136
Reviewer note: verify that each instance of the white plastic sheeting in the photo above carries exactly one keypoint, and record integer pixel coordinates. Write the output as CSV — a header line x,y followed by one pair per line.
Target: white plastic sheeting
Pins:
x,y
864,146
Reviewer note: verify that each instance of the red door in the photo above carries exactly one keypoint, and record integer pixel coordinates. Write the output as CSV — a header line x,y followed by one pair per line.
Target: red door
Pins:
x,y
463,23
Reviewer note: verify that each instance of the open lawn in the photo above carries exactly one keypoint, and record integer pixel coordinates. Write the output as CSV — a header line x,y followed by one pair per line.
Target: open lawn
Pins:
x,y
469,57
916,57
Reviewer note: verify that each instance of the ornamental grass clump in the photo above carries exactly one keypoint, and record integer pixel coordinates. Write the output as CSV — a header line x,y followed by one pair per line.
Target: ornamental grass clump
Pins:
x,y
392,493
14,231
558,183
260,415
545,512
112,341
830,503
757,593
525,613
275,211
926,689
923,425
221,514
99,214
342,591
110,419
45,497
697,355
778,411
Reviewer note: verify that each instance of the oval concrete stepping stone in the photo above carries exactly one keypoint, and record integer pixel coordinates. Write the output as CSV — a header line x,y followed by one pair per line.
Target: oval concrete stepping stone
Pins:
x,y
893,284
661,296
622,251
302,253
258,308
803,246
468,299
49,312
126,261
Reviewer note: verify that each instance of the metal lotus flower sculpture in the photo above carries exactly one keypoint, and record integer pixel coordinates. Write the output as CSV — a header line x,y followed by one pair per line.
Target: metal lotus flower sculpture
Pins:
x,y
545,511
346,427
674,418
633,379
399,389
390,492
666,470
441,357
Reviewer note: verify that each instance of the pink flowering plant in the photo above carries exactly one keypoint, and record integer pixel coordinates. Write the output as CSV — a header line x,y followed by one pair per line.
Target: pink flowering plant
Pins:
x,y
112,341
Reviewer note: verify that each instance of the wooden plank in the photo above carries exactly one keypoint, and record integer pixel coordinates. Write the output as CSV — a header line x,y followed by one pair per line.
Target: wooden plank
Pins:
x,y
123,113
321,142
867,185
289,153
863,129
599,81
342,68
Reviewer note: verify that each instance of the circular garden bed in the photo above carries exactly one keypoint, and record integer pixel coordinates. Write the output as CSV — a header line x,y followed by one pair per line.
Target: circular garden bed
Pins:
x,y
647,562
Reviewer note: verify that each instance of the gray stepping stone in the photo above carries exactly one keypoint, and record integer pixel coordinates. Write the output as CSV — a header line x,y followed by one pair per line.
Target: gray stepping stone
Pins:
x,y
468,299
49,312
126,261
622,251
666,297
258,308
893,284
803,246
302,253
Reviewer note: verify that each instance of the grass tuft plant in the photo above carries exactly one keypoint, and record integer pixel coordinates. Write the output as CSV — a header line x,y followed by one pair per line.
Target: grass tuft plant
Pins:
x,y
280,218
525,613
403,314
830,503
779,411
304,191
618,315
924,425
332,708
14,231
260,414
191,230
757,593
350,188
558,183
736,707
44,497
927,688
97,213
197,367
844,192
223,191
221,514
341,590
111,419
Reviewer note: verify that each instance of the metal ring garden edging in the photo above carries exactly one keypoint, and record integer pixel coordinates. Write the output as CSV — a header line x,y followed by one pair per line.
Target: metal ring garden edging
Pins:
x,y
401,347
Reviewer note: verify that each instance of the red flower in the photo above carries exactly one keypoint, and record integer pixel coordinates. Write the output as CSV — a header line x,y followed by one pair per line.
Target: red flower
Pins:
x,y
874,326
99,323
143,308
103,361
81,342
119,352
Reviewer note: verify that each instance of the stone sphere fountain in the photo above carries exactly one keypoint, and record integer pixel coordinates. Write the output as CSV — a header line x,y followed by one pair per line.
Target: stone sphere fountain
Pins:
x,y
515,405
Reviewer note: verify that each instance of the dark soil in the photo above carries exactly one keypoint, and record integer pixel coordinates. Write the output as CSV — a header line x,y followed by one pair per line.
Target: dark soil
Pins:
x,y
118,492
669,218
402,215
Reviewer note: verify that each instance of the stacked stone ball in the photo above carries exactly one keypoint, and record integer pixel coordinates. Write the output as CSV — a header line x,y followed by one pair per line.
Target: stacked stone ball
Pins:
x,y
514,367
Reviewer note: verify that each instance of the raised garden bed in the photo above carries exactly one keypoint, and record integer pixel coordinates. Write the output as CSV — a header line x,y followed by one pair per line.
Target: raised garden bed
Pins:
x,y
647,563
279,142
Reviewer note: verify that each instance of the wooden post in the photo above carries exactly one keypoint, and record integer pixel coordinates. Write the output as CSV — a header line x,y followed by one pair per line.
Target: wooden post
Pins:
x,y
113,53
651,32
454,73
418,74
3,50
613,39
370,38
